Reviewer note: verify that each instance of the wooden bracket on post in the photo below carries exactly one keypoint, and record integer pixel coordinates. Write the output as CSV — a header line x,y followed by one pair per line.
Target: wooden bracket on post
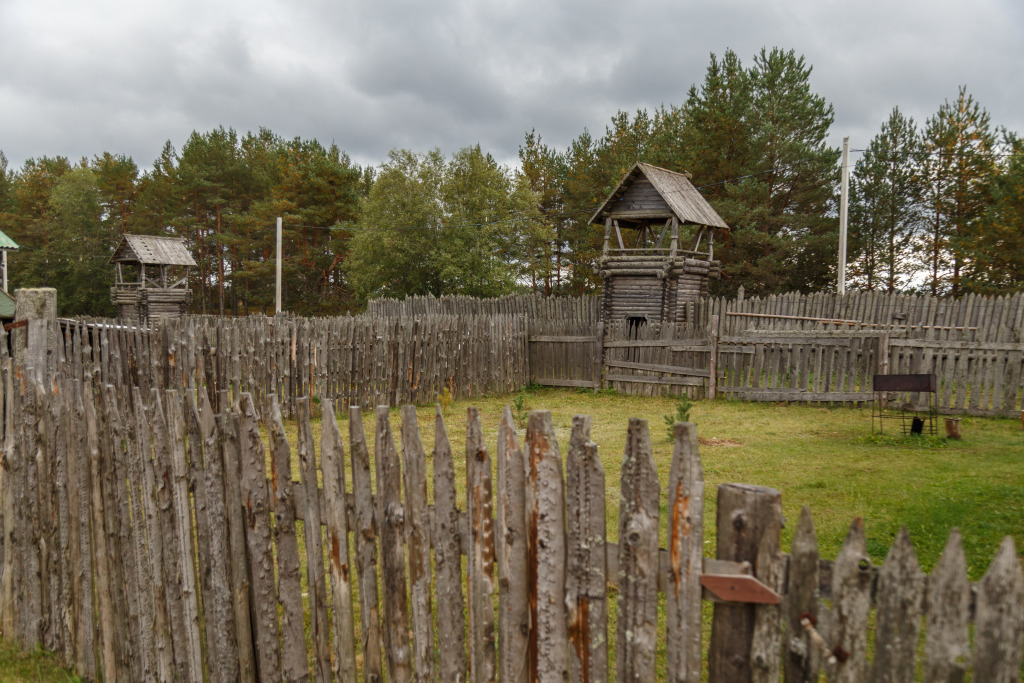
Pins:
x,y
738,588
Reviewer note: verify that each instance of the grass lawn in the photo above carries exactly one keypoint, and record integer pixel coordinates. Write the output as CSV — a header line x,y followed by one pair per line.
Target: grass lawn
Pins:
x,y
825,458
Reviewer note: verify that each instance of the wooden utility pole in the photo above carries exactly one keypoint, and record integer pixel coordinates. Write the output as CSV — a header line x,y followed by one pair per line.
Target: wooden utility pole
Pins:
x,y
277,306
844,196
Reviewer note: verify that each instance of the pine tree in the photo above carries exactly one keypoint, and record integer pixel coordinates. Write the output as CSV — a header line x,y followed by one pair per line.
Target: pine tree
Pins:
x,y
885,207
957,171
782,210
998,265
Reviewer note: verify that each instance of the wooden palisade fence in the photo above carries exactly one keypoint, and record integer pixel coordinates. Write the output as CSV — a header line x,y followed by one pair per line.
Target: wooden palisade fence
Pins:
x,y
148,536
819,348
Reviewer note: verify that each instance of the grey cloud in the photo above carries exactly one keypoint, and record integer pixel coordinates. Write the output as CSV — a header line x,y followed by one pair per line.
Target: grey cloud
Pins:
x,y
372,77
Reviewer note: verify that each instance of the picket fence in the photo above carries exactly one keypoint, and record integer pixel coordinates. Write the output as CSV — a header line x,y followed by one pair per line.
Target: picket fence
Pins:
x,y
147,536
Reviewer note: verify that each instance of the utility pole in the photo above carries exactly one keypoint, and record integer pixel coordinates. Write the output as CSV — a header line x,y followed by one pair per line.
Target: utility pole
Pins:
x,y
277,307
844,197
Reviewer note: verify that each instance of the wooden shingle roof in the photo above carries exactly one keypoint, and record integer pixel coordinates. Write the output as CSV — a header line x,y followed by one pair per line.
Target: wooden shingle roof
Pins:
x,y
679,194
151,250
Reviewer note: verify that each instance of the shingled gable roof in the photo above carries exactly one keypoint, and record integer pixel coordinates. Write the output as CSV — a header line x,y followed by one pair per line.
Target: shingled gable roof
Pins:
x,y
150,250
675,188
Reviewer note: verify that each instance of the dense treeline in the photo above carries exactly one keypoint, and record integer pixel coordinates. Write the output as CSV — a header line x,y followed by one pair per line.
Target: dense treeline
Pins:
x,y
937,209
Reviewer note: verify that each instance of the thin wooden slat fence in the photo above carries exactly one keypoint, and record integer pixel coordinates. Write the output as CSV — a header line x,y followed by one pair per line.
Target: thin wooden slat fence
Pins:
x,y
154,584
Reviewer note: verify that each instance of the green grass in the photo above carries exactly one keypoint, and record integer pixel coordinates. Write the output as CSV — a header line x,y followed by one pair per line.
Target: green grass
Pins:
x,y
17,666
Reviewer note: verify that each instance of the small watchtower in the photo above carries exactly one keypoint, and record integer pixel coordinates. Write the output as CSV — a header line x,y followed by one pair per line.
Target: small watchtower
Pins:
x,y
145,288
653,280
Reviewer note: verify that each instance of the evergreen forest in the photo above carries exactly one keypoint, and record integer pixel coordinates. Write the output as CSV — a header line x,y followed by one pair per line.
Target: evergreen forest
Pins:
x,y
935,206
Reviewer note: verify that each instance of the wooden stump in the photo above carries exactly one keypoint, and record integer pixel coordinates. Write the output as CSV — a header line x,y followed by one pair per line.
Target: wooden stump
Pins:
x,y
953,428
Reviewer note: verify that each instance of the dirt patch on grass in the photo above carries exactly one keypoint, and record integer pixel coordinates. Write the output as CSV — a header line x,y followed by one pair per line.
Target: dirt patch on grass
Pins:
x,y
714,441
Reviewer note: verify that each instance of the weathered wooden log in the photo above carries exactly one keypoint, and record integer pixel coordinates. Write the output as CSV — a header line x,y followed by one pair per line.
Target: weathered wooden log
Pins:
x,y
946,644
256,503
686,550
294,665
999,619
332,465
315,574
481,559
745,515
451,629
586,574
392,532
417,539
510,552
545,519
638,558
366,548
901,586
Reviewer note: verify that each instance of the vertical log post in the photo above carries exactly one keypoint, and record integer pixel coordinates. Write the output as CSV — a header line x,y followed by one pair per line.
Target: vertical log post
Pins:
x,y
638,558
713,361
745,515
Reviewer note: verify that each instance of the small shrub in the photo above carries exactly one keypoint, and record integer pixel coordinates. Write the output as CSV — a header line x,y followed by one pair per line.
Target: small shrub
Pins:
x,y
519,409
683,406
445,399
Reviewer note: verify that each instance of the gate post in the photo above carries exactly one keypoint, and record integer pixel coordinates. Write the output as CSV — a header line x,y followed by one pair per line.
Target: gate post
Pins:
x,y
31,344
748,516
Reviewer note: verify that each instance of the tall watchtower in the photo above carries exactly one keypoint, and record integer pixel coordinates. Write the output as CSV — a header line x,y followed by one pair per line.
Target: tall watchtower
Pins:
x,y
654,211
152,277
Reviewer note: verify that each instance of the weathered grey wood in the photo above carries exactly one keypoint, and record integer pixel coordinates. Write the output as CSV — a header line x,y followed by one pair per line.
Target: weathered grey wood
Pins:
x,y
82,579
686,549
851,602
256,503
229,427
315,574
900,600
169,530
164,654
294,665
638,558
545,519
108,664
586,574
366,548
999,618
510,552
221,634
765,645
481,559
946,648
745,515
183,553
417,539
392,533
332,465
451,628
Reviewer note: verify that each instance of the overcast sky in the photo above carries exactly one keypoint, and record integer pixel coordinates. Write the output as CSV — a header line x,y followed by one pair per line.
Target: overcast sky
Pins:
x,y
80,78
